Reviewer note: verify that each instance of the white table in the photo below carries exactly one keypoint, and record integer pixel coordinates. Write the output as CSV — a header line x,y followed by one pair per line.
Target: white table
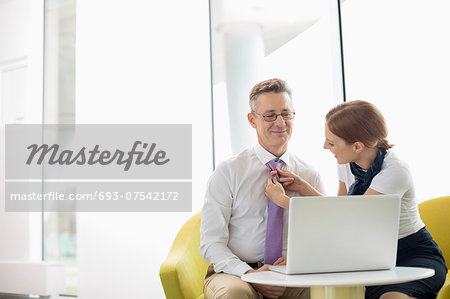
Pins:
x,y
344,285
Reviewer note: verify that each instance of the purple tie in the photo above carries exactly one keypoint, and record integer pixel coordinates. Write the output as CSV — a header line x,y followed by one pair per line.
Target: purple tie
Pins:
x,y
274,230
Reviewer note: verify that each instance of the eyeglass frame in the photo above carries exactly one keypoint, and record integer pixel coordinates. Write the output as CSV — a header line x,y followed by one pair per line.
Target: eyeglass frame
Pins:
x,y
276,116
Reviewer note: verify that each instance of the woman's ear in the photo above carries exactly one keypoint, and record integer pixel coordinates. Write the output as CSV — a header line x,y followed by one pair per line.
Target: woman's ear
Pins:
x,y
358,146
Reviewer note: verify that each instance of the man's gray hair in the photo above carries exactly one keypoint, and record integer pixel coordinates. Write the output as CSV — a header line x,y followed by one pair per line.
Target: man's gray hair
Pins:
x,y
272,85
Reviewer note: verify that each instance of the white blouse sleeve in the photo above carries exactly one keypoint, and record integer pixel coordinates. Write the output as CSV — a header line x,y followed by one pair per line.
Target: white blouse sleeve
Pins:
x,y
395,179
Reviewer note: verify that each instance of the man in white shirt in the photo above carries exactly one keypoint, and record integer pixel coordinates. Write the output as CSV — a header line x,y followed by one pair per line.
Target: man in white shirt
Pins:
x,y
234,215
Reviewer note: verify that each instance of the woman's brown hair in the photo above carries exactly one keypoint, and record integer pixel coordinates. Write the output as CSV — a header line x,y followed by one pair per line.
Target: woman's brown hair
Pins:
x,y
359,121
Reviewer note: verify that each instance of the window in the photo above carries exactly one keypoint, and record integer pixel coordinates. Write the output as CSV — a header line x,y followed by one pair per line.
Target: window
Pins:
x,y
295,41
59,229
402,65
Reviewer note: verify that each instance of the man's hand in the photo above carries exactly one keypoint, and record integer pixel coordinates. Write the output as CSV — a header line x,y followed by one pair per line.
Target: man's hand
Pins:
x,y
280,261
266,290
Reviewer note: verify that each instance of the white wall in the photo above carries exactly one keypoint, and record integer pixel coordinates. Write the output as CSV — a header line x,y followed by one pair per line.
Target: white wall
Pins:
x,y
20,102
140,62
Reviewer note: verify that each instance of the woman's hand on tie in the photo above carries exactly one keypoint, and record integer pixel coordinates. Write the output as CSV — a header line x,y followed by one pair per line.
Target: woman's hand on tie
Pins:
x,y
275,191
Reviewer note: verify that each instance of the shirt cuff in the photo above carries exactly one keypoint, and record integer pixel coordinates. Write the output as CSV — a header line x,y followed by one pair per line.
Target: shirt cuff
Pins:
x,y
241,269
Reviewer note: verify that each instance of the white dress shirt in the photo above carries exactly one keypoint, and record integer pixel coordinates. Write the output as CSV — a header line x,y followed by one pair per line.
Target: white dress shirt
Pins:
x,y
233,224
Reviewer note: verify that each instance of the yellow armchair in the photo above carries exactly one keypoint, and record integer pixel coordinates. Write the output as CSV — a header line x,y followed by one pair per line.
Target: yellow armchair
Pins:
x,y
183,271
435,213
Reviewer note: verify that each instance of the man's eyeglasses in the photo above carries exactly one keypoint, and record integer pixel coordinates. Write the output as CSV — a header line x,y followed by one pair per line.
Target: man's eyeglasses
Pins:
x,y
272,116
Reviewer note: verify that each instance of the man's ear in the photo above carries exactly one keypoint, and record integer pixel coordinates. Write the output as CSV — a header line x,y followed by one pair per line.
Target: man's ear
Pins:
x,y
251,119
359,146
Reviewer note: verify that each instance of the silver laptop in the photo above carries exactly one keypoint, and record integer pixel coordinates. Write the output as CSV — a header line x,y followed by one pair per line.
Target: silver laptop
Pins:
x,y
341,233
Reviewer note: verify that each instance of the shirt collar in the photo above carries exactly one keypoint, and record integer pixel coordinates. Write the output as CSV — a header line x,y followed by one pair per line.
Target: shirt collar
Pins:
x,y
264,156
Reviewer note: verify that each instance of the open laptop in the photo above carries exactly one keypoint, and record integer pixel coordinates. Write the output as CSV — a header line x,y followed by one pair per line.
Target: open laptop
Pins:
x,y
341,233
